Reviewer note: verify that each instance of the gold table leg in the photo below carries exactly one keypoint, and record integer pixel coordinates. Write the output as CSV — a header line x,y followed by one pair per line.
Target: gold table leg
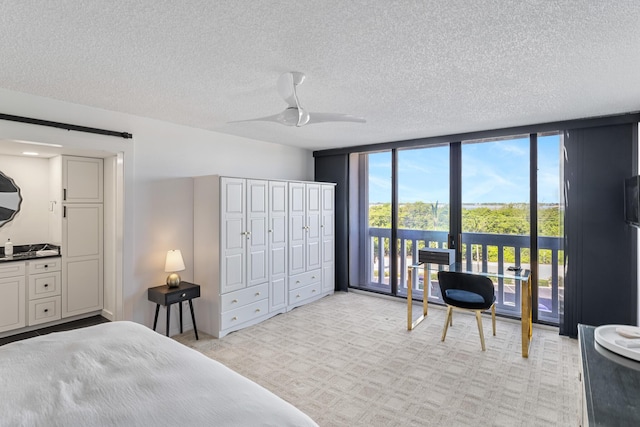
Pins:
x,y
527,325
425,295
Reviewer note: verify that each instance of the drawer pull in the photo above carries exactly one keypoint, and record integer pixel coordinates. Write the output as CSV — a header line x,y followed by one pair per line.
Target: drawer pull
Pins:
x,y
297,281
234,318
235,301
46,285
257,310
313,277
46,266
298,296
183,295
257,294
46,310
313,290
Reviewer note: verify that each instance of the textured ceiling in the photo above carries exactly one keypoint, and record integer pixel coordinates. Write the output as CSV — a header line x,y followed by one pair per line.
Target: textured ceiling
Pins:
x,y
411,68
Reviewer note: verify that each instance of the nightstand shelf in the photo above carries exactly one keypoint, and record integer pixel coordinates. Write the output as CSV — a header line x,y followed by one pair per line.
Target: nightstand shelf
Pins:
x,y
164,295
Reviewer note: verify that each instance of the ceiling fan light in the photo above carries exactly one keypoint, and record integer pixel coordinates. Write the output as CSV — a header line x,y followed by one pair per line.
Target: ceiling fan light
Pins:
x,y
289,117
303,118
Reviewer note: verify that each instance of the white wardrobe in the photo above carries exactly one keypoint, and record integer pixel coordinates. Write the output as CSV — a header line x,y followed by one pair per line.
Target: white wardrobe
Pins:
x,y
261,247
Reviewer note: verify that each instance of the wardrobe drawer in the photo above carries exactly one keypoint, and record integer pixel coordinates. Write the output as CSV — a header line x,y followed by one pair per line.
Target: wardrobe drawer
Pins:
x,y
44,310
237,299
12,269
304,279
44,285
45,265
303,293
244,314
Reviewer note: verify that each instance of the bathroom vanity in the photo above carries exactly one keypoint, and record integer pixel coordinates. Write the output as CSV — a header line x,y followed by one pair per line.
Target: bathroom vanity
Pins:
x,y
30,285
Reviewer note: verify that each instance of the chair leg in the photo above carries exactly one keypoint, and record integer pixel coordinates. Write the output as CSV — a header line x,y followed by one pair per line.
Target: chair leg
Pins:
x,y
493,318
479,319
447,320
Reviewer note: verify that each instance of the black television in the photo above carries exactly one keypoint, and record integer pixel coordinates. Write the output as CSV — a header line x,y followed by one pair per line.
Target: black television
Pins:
x,y
632,201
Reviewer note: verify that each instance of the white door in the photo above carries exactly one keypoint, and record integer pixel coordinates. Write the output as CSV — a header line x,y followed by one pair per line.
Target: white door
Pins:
x,y
257,226
278,193
313,215
297,228
233,234
82,249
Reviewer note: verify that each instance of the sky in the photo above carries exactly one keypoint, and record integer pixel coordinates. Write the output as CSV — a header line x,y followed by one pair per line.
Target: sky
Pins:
x,y
492,172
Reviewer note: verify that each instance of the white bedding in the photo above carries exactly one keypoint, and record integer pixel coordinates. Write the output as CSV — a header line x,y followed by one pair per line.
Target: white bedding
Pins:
x,y
124,374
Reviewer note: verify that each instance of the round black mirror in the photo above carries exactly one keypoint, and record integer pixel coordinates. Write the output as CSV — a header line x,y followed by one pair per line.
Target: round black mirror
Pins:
x,y
10,199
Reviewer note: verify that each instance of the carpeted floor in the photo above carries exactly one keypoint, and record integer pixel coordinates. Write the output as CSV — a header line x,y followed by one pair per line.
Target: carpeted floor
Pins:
x,y
348,360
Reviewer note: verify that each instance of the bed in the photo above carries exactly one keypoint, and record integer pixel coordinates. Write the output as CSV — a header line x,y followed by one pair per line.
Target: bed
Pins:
x,y
124,374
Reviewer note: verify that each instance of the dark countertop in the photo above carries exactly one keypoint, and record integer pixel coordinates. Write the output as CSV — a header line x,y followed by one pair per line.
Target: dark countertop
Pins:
x,y
611,382
29,252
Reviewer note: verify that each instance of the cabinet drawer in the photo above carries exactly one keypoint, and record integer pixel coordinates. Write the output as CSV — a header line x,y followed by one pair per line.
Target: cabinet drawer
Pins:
x,y
244,314
237,299
44,285
44,310
303,293
12,269
45,265
183,295
304,279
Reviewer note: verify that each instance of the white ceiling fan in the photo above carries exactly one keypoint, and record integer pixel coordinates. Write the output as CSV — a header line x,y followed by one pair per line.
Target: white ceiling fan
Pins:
x,y
295,114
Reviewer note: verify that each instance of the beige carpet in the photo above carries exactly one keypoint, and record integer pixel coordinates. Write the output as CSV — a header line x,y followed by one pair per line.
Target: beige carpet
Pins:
x,y
348,360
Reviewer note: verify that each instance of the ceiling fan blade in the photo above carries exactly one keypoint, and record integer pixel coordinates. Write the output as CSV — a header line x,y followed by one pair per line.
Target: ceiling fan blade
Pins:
x,y
333,117
289,117
273,118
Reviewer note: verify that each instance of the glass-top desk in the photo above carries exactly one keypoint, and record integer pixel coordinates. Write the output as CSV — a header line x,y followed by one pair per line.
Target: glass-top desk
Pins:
x,y
523,276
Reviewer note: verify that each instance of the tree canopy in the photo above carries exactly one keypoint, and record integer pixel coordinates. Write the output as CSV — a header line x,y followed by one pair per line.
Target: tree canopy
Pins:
x,y
508,218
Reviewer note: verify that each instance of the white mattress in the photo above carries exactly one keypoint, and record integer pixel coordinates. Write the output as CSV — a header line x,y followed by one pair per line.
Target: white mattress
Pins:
x,y
124,374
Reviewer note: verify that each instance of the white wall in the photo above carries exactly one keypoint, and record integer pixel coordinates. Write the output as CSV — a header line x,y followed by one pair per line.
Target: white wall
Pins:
x,y
158,165
31,223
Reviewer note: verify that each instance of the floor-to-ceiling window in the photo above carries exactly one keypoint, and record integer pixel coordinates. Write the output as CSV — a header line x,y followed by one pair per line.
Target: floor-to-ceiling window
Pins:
x,y
550,227
405,195
376,213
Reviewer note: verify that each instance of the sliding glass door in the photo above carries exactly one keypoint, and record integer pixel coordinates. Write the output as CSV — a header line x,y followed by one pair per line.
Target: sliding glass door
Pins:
x,y
423,211
496,211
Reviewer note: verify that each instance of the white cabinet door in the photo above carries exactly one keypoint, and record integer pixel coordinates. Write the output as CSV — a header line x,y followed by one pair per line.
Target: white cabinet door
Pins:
x,y
313,214
277,234
82,250
12,303
82,180
297,228
233,240
257,226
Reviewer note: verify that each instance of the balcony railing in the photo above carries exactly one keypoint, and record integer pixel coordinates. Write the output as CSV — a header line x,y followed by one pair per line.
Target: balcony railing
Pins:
x,y
475,255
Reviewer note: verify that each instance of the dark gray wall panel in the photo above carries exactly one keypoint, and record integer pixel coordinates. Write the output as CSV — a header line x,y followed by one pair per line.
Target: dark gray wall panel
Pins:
x,y
601,251
336,169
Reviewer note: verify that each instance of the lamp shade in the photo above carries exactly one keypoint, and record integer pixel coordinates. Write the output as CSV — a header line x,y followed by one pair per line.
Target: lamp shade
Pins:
x,y
174,261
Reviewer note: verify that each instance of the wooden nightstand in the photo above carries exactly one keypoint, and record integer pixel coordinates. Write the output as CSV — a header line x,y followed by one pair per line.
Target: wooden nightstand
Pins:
x,y
164,295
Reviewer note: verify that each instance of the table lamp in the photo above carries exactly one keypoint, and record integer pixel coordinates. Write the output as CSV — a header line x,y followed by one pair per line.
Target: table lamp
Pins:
x,y
173,264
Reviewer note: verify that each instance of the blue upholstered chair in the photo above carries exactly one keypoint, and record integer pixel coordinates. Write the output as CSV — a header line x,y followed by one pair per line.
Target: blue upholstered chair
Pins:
x,y
467,292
